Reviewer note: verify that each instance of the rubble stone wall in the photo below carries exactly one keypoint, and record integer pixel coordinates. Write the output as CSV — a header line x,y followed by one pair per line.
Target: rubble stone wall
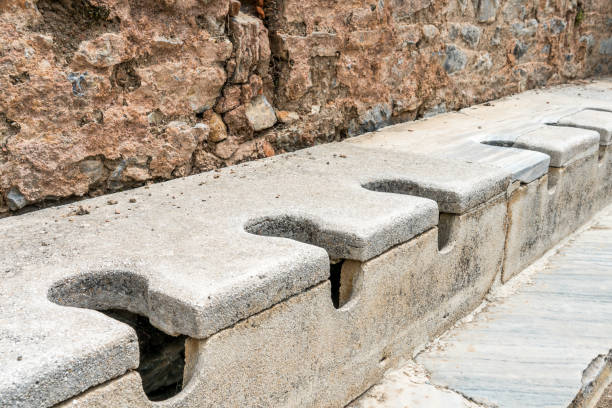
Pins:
x,y
102,95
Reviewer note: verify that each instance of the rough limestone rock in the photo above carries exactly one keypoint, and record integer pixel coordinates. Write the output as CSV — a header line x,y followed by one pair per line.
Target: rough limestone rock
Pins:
x,y
260,113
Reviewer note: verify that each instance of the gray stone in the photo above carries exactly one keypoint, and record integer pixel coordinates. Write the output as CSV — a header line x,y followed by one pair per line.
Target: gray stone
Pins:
x,y
605,46
556,26
484,63
271,335
525,30
596,383
496,38
486,10
453,31
563,144
455,59
260,113
224,256
93,169
306,353
515,10
375,118
588,40
520,49
435,110
545,211
525,166
532,349
471,35
15,199
600,121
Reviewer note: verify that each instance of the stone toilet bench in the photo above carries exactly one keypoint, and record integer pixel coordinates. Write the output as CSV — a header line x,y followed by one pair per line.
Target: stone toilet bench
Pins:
x,y
293,281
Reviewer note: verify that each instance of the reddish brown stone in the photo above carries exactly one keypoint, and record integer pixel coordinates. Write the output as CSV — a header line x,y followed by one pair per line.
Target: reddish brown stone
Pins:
x,y
218,131
234,8
87,102
231,99
238,124
268,149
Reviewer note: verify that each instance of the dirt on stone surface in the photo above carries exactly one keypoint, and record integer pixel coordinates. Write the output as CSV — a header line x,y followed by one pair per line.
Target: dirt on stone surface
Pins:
x,y
103,95
606,399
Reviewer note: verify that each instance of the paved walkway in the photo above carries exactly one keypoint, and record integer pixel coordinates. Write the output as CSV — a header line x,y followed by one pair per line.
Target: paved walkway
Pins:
x,y
526,349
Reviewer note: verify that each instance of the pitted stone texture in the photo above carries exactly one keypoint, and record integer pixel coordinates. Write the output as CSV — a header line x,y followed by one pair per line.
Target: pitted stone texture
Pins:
x,y
532,349
545,211
179,253
563,144
305,353
524,165
260,114
601,121
409,387
43,345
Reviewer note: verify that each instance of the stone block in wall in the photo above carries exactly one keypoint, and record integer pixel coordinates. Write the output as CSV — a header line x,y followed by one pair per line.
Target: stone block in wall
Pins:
x,y
251,48
486,10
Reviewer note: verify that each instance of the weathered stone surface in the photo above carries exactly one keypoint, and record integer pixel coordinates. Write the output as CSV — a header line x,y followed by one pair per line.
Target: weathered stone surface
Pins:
x,y
349,348
471,35
105,51
230,99
486,10
15,199
80,75
189,280
599,121
287,117
531,349
210,268
218,131
251,46
554,201
545,211
563,144
455,59
260,114
238,124
525,166
409,386
503,121
430,31
605,47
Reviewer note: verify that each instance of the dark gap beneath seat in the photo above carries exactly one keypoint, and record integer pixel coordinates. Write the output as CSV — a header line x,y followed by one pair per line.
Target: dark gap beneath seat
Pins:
x,y
445,230
335,274
162,357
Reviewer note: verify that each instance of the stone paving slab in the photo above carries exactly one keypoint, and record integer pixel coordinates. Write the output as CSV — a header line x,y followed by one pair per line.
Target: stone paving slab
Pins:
x,y
179,253
531,349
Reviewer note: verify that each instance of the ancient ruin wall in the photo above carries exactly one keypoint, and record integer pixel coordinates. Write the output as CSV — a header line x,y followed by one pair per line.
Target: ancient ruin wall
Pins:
x,y
101,95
